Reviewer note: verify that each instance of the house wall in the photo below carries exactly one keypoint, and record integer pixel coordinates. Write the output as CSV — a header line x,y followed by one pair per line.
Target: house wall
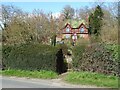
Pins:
x,y
85,29
66,35
64,30
86,36
72,31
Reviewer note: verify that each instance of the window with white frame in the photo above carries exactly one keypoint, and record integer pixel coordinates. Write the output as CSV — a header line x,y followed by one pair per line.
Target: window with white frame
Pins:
x,y
67,29
81,30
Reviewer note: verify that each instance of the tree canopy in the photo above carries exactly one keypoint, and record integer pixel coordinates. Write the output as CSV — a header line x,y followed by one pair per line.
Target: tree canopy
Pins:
x,y
95,21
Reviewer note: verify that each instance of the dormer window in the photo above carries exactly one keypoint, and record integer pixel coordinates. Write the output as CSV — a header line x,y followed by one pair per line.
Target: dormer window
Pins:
x,y
82,30
67,29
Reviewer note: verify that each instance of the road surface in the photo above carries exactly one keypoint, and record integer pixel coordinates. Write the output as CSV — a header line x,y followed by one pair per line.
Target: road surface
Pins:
x,y
14,82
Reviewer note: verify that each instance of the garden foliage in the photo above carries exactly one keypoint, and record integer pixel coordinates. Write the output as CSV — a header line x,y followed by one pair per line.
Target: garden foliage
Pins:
x,y
96,58
30,57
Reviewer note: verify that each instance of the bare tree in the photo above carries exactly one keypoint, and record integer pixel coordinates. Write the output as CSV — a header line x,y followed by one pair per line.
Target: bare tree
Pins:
x,y
109,32
8,13
68,12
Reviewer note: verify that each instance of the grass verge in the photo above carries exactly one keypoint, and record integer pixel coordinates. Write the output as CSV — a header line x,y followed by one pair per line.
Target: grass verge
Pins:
x,y
88,78
31,74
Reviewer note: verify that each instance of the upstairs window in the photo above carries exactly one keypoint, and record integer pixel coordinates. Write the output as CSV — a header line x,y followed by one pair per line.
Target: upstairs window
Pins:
x,y
67,29
82,30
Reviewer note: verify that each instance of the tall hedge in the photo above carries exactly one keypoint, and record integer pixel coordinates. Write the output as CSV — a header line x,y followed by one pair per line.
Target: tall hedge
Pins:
x,y
95,58
30,57
78,51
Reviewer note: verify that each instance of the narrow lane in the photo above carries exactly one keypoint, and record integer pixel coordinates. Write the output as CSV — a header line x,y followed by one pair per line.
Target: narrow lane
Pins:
x,y
9,82
15,82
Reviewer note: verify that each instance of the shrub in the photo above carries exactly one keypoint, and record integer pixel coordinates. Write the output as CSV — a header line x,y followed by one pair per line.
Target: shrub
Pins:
x,y
64,48
113,48
78,51
95,58
30,57
95,39
82,41
6,50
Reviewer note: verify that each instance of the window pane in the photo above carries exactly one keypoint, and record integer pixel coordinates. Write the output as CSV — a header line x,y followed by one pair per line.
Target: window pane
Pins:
x,y
82,30
67,29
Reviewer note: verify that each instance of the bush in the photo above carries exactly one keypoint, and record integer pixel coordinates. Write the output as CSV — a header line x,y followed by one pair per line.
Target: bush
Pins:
x,y
6,50
30,57
78,51
113,48
64,48
95,58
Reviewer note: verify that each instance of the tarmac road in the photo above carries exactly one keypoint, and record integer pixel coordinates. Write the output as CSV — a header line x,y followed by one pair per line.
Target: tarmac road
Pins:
x,y
15,82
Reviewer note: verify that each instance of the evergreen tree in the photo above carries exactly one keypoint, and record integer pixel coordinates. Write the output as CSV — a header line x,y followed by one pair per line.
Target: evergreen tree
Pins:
x,y
95,21
90,23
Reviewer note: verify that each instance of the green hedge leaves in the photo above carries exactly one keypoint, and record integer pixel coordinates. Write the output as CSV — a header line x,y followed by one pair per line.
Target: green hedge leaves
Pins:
x,y
30,57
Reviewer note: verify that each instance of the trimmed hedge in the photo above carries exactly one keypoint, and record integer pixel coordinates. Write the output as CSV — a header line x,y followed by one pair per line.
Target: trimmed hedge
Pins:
x,y
78,51
95,58
64,48
30,57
